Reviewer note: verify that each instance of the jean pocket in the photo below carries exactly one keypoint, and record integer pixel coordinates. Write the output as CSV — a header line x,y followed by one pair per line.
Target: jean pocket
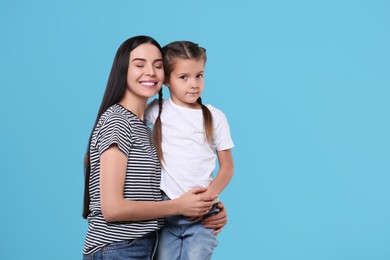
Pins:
x,y
141,248
119,245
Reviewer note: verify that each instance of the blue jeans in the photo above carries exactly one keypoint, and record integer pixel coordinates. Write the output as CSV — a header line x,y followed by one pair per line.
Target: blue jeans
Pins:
x,y
142,248
186,240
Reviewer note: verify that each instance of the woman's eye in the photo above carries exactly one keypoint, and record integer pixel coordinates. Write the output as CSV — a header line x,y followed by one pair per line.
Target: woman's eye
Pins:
x,y
200,76
158,65
183,77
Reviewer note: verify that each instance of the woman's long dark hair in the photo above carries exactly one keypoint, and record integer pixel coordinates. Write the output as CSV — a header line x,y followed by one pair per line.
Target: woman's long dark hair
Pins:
x,y
114,92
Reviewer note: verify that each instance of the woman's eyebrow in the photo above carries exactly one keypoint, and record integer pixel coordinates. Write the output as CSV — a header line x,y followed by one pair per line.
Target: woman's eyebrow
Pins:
x,y
138,59
141,59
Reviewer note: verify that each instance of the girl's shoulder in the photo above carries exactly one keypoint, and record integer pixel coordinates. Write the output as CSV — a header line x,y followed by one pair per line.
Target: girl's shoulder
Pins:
x,y
215,111
154,104
151,111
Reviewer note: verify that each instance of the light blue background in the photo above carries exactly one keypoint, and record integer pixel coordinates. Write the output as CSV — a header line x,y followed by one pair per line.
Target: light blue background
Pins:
x,y
305,85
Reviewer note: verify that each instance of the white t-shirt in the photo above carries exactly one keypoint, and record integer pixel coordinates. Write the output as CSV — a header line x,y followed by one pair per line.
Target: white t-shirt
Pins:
x,y
189,160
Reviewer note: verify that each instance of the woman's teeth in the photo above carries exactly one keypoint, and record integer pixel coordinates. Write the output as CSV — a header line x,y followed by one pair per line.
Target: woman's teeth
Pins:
x,y
148,84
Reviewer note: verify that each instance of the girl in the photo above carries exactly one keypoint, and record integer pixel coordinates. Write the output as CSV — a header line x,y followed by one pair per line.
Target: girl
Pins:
x,y
188,137
122,199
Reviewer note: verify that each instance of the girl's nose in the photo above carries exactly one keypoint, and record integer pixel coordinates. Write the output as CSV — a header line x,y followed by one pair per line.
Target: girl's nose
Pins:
x,y
194,84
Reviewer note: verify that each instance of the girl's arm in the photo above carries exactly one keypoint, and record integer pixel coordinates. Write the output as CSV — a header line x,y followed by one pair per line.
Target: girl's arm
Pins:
x,y
113,163
224,175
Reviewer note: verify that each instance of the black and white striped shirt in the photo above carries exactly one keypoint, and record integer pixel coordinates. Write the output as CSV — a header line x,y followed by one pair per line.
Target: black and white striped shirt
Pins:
x,y
121,127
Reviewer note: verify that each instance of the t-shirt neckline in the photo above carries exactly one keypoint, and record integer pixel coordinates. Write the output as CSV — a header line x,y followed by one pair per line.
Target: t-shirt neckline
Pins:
x,y
129,111
183,108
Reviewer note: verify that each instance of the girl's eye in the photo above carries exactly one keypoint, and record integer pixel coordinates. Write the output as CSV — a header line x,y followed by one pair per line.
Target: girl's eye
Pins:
x,y
183,77
200,76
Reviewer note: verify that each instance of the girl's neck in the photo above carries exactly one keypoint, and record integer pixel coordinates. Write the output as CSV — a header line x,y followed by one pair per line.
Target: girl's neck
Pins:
x,y
193,106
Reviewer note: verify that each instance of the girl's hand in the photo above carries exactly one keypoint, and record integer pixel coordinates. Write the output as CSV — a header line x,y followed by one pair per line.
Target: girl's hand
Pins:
x,y
207,194
217,221
193,203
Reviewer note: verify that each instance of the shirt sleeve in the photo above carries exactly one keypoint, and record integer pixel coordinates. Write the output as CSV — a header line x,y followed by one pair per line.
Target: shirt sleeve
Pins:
x,y
222,137
114,130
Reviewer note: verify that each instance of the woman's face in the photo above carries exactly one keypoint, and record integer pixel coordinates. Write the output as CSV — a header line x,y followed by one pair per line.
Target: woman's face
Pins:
x,y
145,74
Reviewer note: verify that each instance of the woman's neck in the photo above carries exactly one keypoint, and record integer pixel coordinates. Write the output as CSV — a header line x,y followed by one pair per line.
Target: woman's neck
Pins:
x,y
135,105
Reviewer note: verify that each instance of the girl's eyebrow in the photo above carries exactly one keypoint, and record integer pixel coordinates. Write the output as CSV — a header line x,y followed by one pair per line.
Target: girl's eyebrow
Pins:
x,y
186,72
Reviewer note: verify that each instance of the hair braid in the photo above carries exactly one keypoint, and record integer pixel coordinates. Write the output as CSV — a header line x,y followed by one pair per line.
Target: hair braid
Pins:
x,y
157,132
207,121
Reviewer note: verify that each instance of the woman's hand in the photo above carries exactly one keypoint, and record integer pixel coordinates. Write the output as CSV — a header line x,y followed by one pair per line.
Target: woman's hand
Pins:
x,y
194,203
217,221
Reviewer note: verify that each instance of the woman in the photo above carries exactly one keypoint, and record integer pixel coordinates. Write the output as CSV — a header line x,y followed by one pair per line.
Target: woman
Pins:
x,y
122,199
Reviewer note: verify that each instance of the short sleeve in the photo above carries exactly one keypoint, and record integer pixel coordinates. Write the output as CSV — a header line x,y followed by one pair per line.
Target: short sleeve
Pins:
x,y
114,130
222,136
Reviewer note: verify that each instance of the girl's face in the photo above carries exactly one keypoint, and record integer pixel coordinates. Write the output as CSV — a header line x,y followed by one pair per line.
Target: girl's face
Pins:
x,y
145,74
186,82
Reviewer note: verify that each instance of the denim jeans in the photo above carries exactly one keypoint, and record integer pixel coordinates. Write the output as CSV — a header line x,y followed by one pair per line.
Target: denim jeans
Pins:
x,y
142,248
186,240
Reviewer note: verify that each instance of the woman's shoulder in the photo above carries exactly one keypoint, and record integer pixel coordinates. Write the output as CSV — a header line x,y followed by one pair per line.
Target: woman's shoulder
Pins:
x,y
116,110
114,119
115,114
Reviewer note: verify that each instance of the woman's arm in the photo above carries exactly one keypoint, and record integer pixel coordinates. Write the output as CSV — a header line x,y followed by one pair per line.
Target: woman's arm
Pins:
x,y
217,221
113,163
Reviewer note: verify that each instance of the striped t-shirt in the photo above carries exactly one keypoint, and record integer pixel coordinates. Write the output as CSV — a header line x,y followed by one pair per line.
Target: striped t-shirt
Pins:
x,y
121,127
